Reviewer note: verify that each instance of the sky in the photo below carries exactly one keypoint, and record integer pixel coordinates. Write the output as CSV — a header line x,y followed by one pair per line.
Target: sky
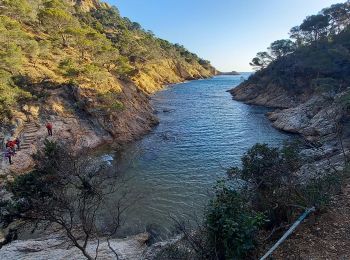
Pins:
x,y
228,33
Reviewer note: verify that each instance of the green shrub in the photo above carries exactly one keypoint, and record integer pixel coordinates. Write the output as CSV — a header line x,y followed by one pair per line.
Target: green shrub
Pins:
x,y
69,68
110,100
117,105
269,174
231,223
274,188
123,69
326,86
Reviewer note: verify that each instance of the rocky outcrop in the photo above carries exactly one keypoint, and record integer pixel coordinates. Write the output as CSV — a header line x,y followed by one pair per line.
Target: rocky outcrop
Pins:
x,y
133,119
155,75
318,118
57,247
88,5
313,119
271,96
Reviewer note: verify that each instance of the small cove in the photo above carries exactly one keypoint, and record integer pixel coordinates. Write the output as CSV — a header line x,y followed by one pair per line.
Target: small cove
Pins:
x,y
202,131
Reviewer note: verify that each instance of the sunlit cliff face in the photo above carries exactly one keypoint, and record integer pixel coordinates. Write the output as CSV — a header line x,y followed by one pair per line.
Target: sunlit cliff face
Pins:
x,y
88,5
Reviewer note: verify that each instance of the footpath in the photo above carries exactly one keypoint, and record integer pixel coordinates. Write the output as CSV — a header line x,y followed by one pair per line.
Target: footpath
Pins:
x,y
325,237
22,160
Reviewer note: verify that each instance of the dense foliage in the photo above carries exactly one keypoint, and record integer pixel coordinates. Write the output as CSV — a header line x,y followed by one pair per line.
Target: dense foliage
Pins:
x,y
232,224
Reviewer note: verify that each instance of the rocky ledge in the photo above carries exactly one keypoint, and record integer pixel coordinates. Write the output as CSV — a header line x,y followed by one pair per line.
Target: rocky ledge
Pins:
x,y
252,94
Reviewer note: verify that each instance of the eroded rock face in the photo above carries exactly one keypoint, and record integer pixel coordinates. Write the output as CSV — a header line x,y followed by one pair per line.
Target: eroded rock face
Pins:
x,y
272,96
313,119
88,5
80,123
126,124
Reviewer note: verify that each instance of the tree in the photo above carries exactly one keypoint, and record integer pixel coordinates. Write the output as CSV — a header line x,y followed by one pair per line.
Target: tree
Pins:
x,y
339,16
281,48
15,45
85,40
33,50
96,74
70,192
94,43
55,4
18,9
231,223
296,34
135,26
11,58
315,26
57,22
261,61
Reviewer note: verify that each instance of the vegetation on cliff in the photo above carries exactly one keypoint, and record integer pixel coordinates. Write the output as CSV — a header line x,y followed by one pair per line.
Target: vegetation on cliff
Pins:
x,y
86,44
316,59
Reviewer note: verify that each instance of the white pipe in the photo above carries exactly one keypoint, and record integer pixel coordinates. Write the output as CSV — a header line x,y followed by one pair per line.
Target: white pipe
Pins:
x,y
289,231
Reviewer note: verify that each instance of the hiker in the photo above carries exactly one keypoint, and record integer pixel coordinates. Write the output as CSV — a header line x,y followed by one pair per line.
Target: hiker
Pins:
x,y
49,128
18,143
8,154
11,145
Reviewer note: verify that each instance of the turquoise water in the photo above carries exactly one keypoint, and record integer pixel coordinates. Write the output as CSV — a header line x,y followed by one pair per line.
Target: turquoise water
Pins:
x,y
202,131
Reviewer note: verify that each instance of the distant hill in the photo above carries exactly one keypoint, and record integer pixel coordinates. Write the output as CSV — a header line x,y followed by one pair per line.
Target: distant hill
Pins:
x,y
228,73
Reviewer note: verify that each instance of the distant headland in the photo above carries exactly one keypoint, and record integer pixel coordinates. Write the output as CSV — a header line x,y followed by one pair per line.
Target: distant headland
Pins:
x,y
228,73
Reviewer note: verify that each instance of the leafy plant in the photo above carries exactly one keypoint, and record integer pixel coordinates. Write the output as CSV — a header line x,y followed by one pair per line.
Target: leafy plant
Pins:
x,y
69,67
232,223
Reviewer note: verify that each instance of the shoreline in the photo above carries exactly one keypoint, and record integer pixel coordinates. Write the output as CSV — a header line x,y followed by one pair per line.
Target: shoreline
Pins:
x,y
321,144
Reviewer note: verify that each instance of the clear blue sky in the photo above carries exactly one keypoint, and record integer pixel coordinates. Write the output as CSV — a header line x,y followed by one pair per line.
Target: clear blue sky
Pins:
x,y
227,32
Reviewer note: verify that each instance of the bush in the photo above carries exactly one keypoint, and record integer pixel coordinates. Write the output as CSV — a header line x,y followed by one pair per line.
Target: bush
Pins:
x,y
69,193
269,174
69,68
231,223
109,100
123,69
117,105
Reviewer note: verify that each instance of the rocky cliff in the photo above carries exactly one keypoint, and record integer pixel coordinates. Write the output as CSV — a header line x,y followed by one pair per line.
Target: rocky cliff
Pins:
x,y
86,69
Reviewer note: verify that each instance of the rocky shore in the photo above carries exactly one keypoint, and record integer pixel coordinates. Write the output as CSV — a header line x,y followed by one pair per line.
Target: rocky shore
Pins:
x,y
57,247
318,119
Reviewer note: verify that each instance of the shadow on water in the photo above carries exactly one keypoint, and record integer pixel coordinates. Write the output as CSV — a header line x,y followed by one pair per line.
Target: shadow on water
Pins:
x,y
202,131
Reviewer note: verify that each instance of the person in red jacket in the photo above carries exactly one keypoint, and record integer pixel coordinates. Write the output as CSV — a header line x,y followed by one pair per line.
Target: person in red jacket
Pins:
x,y
11,145
49,128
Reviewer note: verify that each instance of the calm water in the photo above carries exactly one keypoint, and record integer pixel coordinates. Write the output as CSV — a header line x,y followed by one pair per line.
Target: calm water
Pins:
x,y
202,131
